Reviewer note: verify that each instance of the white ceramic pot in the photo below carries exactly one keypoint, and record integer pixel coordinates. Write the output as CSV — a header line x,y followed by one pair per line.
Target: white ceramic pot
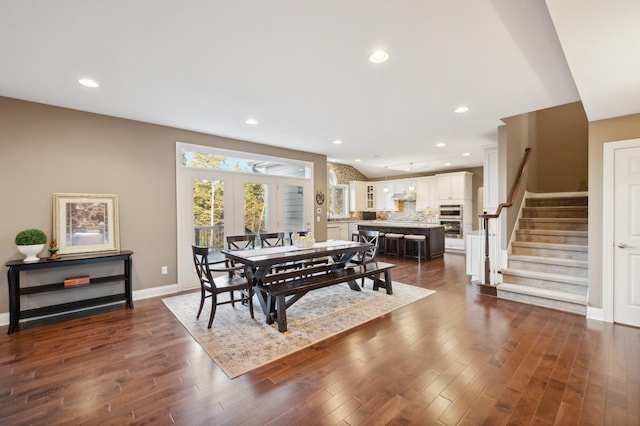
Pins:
x,y
31,252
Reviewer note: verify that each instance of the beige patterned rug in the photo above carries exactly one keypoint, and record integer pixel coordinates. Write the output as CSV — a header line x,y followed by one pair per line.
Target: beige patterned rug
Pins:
x,y
320,314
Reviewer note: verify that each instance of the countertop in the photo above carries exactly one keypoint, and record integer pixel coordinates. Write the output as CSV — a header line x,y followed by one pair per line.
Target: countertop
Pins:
x,y
401,224
391,223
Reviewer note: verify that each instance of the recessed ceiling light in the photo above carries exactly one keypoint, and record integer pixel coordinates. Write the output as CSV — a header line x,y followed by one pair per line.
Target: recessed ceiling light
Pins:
x,y
441,144
447,164
331,160
251,121
466,154
88,82
462,109
357,160
379,56
337,142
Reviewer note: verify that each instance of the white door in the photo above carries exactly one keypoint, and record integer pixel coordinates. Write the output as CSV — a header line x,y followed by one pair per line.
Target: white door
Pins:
x,y
626,260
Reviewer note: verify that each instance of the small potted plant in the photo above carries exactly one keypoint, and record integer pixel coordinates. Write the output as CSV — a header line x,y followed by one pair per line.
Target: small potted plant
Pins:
x,y
30,242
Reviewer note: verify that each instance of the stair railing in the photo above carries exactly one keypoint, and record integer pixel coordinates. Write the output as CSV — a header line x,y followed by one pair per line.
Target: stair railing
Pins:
x,y
493,227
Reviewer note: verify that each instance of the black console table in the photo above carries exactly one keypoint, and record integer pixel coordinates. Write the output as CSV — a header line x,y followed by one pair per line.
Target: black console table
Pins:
x,y
13,274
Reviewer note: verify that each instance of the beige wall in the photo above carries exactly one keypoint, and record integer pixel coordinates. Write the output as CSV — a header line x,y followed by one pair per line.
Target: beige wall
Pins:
x,y
517,134
46,149
601,132
561,149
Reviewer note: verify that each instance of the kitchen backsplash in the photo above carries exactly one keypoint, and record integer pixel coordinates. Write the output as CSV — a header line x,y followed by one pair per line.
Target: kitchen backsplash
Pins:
x,y
406,213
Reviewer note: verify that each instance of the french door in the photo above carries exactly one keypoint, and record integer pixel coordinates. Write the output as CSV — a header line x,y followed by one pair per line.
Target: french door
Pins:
x,y
213,204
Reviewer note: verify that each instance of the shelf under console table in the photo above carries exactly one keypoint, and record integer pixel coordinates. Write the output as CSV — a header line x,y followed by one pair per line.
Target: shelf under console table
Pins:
x,y
14,267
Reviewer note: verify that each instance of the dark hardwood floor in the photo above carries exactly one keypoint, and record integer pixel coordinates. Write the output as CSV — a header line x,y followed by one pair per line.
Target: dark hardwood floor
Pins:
x,y
451,358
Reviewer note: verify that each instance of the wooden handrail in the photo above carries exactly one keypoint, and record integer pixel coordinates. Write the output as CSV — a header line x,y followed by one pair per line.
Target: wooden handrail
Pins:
x,y
485,217
514,190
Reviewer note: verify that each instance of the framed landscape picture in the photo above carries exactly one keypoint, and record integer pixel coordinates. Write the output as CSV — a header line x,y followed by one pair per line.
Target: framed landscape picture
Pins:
x,y
85,223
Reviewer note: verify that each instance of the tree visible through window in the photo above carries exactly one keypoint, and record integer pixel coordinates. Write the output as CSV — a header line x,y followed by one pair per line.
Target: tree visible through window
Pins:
x,y
208,195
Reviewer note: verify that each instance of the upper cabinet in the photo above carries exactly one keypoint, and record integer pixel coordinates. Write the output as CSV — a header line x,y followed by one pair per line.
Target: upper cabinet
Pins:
x,y
361,196
427,193
383,192
455,186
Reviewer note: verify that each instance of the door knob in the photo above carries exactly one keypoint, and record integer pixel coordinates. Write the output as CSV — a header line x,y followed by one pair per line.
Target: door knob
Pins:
x,y
622,245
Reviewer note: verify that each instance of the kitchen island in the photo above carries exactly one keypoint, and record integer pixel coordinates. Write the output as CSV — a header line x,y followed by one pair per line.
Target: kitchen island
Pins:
x,y
433,232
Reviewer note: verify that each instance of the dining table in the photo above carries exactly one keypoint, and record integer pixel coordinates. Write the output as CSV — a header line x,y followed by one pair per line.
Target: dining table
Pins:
x,y
262,264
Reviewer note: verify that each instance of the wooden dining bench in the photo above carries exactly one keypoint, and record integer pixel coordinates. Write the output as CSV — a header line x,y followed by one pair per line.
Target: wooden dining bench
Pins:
x,y
295,287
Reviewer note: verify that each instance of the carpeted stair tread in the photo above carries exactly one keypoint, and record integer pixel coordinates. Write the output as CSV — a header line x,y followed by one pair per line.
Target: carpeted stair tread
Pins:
x,y
568,247
567,233
556,219
547,276
544,293
551,260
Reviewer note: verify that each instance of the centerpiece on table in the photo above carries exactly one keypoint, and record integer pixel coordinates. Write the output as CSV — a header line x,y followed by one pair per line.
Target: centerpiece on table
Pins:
x,y
303,241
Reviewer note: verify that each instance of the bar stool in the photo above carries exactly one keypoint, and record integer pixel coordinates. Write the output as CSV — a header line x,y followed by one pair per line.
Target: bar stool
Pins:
x,y
421,246
355,236
381,242
392,244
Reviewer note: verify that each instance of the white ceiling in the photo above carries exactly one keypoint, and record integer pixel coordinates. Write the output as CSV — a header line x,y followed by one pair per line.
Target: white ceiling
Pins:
x,y
301,68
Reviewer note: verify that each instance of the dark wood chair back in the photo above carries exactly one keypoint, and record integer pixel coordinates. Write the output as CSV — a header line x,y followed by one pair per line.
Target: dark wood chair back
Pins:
x,y
272,239
241,242
369,237
227,283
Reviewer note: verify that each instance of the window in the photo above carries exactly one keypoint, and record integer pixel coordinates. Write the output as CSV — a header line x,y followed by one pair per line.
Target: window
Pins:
x,y
218,159
338,198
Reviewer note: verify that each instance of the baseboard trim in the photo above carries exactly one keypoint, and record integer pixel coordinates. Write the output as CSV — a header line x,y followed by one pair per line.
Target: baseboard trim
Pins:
x,y
595,313
137,295
4,318
154,292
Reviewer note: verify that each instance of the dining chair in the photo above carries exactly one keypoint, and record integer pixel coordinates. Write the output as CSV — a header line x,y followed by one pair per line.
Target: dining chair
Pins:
x,y
241,242
272,239
370,255
225,283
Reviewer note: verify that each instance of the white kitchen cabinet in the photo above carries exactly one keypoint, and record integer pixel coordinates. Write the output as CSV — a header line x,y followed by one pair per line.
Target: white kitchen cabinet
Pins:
x,y
361,196
383,192
490,172
338,231
454,244
455,186
401,185
427,193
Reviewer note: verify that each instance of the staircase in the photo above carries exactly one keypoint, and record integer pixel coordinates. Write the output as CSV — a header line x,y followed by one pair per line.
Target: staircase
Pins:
x,y
548,260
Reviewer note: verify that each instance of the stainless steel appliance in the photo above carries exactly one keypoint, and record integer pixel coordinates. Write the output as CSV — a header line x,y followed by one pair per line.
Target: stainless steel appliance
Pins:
x,y
451,218
450,211
452,228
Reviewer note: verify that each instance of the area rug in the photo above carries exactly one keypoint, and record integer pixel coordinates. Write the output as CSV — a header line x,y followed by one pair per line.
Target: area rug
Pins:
x,y
239,344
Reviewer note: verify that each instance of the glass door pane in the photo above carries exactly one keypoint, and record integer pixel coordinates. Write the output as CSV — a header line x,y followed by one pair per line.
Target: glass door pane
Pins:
x,y
256,208
294,209
208,213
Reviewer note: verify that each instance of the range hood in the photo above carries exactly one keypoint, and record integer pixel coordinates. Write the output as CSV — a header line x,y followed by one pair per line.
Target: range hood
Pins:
x,y
404,196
